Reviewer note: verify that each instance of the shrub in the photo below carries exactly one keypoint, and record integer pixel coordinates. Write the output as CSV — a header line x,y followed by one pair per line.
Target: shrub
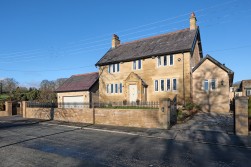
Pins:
x,y
2,106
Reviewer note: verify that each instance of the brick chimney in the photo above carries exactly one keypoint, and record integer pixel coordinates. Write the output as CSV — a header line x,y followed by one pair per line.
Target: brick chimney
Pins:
x,y
193,20
115,41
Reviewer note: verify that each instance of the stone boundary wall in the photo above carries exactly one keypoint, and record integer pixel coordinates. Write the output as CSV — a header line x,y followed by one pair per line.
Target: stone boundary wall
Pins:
x,y
74,115
8,109
143,118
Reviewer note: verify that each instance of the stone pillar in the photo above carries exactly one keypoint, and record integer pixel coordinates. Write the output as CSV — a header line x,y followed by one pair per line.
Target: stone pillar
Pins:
x,y
24,106
21,107
8,107
241,115
164,114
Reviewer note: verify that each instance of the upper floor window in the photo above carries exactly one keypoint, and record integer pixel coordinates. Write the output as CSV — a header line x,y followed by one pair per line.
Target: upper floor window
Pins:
x,y
112,68
171,60
167,60
137,64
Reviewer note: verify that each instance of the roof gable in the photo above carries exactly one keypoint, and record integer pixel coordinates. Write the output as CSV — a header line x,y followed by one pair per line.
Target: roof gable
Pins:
x,y
82,82
170,43
208,57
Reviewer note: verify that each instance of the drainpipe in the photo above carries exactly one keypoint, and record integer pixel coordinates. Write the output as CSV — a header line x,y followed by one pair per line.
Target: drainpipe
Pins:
x,y
184,91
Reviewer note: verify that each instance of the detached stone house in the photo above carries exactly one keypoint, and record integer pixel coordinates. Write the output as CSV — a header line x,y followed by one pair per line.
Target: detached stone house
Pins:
x,y
245,87
211,83
151,68
79,90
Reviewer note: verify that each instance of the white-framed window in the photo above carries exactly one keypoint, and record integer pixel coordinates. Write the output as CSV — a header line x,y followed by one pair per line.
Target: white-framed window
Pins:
x,y
156,85
116,88
112,68
162,85
107,88
137,64
166,60
168,84
175,84
171,60
206,85
111,88
213,84
118,68
120,88
209,85
248,92
159,61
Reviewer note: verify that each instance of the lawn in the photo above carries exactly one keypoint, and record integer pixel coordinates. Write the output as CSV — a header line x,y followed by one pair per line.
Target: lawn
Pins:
x,y
3,96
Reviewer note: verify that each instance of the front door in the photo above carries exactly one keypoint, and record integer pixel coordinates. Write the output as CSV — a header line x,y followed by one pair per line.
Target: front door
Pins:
x,y
133,93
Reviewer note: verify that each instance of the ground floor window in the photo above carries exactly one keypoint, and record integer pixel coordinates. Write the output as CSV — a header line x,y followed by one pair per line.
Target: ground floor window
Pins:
x,y
156,86
166,85
114,88
174,84
209,84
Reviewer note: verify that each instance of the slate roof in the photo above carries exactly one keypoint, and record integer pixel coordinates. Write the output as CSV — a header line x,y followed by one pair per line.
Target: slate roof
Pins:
x,y
81,82
170,43
215,62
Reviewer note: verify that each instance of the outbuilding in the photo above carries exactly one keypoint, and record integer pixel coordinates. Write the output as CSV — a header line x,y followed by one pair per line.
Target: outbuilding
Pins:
x,y
78,91
211,84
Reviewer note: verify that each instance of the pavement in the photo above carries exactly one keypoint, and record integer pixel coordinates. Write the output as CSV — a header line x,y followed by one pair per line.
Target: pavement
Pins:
x,y
31,142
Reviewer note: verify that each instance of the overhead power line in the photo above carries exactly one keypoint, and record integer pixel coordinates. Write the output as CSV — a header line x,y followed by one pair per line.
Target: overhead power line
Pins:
x,y
133,28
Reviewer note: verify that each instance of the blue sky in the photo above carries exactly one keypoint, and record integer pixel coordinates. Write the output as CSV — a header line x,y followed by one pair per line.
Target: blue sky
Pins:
x,y
55,39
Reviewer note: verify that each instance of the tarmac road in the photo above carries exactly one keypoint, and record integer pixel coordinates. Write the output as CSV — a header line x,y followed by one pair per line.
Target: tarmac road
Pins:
x,y
54,145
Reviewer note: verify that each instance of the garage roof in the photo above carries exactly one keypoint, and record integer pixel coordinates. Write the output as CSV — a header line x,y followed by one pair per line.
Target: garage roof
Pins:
x,y
80,82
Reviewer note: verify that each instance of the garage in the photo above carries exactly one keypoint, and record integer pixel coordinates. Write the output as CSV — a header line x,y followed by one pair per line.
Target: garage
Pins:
x,y
73,101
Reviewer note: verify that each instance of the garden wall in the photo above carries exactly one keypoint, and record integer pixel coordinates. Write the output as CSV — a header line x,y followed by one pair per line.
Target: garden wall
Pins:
x,y
144,118
8,109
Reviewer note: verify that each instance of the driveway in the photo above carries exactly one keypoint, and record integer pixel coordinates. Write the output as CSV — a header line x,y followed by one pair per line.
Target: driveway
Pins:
x,y
205,121
45,144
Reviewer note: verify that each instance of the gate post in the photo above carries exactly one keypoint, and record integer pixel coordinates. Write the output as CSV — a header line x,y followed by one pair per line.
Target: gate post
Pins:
x,y
8,107
24,105
164,113
241,115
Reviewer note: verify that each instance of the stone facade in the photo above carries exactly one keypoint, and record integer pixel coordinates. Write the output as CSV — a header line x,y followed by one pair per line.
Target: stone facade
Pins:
x,y
146,77
88,96
245,86
216,100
